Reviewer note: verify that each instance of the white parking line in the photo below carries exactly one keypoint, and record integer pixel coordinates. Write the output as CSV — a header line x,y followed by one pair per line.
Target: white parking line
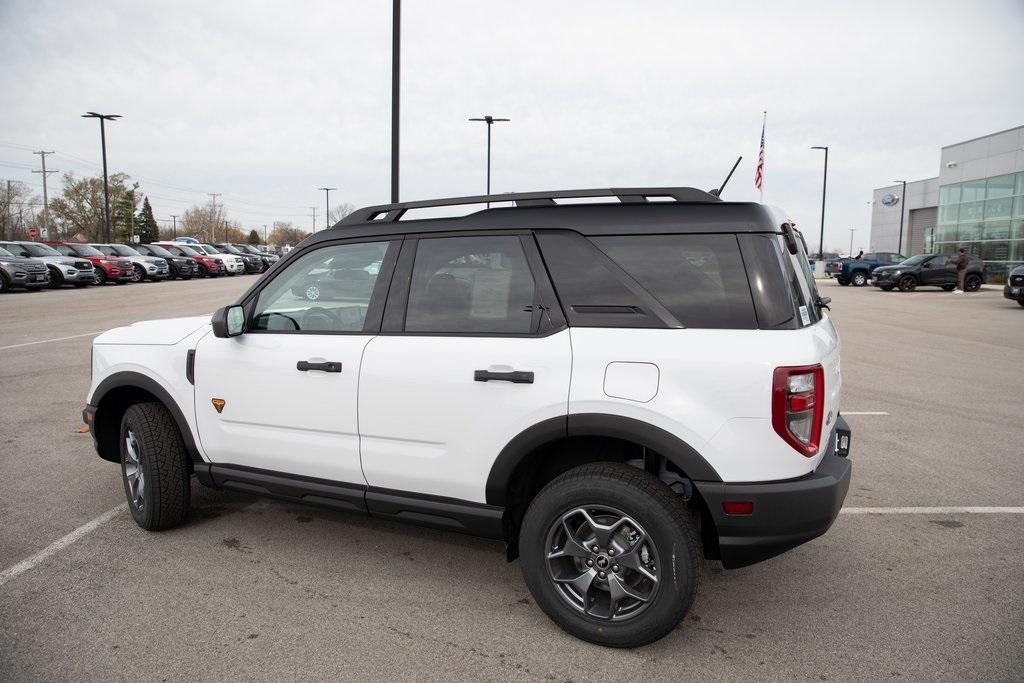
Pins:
x,y
47,341
934,511
867,412
58,545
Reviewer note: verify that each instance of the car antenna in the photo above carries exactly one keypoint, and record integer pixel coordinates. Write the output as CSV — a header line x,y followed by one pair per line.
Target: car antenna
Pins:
x,y
718,192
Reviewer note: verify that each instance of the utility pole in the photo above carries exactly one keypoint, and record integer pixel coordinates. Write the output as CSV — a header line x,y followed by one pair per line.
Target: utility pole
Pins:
x,y
264,233
396,53
213,217
327,206
174,226
8,218
46,199
313,209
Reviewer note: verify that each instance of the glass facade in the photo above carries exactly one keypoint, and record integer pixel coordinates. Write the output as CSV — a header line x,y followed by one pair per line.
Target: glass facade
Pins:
x,y
984,217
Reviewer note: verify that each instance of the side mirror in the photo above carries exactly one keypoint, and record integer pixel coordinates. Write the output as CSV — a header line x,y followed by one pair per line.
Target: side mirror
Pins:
x,y
228,321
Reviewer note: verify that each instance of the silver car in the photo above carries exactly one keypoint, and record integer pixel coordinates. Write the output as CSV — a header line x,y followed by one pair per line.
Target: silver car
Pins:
x,y
64,270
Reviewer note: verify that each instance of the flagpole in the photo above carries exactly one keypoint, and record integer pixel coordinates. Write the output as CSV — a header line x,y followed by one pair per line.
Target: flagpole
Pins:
x,y
764,123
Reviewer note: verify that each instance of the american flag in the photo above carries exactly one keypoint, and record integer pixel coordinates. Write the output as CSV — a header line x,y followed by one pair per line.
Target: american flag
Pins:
x,y
759,171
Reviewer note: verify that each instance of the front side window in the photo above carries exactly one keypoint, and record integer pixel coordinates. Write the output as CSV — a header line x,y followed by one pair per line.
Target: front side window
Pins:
x,y
122,250
470,285
327,290
106,249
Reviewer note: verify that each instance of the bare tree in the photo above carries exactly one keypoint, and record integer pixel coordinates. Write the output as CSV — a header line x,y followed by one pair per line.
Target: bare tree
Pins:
x,y
78,211
18,210
286,234
204,222
339,212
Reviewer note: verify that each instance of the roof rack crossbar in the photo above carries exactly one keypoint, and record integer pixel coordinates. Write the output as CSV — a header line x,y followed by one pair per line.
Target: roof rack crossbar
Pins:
x,y
393,212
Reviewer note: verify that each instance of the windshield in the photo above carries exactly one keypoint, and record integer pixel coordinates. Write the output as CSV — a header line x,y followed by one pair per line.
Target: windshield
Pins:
x,y
228,248
187,251
5,254
914,260
208,249
85,250
105,249
248,248
35,249
122,250
157,250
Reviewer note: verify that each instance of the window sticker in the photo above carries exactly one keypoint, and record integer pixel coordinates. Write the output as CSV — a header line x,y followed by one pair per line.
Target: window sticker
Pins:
x,y
490,294
805,317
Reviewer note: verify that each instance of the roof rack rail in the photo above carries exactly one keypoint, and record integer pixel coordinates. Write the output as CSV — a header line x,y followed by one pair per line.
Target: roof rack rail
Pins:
x,y
626,195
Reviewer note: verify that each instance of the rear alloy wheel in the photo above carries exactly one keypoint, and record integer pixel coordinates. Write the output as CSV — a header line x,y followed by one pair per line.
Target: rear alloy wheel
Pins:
x,y
138,273
313,293
611,554
860,278
99,276
907,283
972,283
154,467
842,281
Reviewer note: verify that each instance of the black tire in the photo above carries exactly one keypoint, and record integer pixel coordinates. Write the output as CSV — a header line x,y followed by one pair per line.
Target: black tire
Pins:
x,y
1021,301
859,279
972,283
138,273
99,276
160,452
907,283
56,279
5,286
664,521
885,288
948,288
843,282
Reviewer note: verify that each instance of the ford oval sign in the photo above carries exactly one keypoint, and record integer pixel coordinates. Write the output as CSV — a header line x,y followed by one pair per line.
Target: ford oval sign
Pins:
x,y
891,199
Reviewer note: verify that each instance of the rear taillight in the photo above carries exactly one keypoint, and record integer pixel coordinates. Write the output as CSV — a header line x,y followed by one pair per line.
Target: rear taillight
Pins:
x,y
798,401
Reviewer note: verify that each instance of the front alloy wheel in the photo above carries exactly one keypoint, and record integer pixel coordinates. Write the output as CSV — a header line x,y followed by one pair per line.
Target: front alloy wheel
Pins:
x,y
972,283
860,279
313,293
138,273
135,480
907,283
99,276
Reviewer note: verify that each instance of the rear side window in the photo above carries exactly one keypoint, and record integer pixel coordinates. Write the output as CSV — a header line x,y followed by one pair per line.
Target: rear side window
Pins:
x,y
700,279
467,285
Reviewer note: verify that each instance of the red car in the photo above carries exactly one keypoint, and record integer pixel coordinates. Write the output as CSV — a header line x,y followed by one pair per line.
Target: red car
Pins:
x,y
208,265
106,268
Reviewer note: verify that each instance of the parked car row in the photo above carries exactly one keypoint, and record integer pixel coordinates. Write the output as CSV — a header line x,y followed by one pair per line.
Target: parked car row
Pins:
x,y
889,270
34,265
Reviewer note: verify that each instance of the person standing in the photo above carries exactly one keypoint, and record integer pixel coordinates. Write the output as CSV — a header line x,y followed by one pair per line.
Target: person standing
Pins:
x,y
961,271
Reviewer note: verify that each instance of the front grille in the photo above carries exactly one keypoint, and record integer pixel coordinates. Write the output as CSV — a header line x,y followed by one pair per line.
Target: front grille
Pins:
x,y
83,265
125,265
35,268
1017,280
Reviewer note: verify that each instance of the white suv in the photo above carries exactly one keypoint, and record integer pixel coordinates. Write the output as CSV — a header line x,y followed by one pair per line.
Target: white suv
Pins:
x,y
614,389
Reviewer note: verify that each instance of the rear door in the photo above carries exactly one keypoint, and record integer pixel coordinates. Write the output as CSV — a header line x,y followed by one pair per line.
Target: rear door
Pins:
x,y
289,383
473,351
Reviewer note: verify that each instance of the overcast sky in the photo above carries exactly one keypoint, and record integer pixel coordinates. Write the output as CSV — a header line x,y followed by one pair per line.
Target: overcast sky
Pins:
x,y
266,101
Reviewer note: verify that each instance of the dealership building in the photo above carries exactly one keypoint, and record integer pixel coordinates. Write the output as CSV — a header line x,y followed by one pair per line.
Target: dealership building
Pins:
x,y
976,202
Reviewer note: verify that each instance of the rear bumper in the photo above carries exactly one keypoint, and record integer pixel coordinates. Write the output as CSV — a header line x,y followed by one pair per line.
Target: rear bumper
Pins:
x,y
785,514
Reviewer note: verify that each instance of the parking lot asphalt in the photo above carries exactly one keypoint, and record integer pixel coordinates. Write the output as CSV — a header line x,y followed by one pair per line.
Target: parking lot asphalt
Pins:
x,y
259,589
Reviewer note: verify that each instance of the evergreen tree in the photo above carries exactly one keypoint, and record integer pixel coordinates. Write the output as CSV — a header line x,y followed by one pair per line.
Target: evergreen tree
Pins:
x,y
253,239
148,230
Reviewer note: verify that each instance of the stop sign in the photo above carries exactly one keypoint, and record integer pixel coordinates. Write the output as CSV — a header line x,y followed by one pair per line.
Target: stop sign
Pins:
x,y
33,233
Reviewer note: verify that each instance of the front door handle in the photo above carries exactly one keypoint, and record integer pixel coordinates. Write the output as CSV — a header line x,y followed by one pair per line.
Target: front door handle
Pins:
x,y
326,366
516,376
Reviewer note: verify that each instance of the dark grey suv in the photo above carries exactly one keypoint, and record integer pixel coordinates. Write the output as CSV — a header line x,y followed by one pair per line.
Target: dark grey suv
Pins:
x,y
18,272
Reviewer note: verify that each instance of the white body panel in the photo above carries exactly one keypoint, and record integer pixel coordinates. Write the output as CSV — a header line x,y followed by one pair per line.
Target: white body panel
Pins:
x,y
713,392
428,427
276,417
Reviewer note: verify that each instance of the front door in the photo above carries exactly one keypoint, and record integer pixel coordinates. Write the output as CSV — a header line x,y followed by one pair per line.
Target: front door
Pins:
x,y
938,271
288,384
469,358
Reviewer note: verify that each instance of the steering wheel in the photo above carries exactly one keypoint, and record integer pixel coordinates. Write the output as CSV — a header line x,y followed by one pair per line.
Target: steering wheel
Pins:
x,y
321,319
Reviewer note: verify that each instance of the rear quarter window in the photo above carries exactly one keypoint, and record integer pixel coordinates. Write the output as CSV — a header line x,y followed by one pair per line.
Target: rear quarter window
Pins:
x,y
700,279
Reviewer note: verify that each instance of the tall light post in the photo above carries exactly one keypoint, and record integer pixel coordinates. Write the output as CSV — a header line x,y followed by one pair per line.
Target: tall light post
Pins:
x,y
852,230
489,120
396,53
327,207
902,203
824,187
106,187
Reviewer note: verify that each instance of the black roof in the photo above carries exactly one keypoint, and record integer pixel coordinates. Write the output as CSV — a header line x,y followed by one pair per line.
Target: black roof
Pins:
x,y
675,209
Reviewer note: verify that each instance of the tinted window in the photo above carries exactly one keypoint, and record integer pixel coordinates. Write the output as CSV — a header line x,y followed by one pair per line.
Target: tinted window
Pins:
x,y
592,293
700,279
327,290
470,285
16,249
771,285
67,251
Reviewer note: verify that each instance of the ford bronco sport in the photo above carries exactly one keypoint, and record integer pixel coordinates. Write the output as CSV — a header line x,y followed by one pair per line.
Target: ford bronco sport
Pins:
x,y
615,390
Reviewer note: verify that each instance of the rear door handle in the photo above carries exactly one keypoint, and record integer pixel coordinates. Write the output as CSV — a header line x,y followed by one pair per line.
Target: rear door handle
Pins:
x,y
326,366
516,376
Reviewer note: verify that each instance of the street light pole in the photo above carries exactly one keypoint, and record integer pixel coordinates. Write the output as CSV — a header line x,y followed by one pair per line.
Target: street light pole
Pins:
x,y
852,230
824,187
489,120
327,202
903,206
174,226
396,53
106,187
